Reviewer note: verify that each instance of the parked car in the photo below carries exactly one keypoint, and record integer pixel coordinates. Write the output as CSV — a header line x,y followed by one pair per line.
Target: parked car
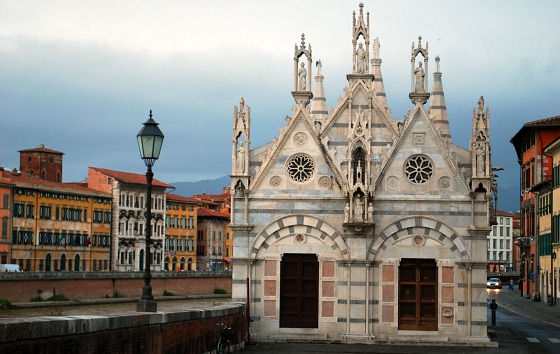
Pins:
x,y
494,283
10,268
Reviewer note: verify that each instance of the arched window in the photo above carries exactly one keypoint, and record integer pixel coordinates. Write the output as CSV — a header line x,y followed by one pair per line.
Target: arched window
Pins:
x,y
77,263
63,262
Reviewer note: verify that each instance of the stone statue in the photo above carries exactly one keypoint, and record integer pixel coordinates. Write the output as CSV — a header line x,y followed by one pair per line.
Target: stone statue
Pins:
x,y
346,212
359,172
480,156
370,212
240,159
302,77
361,56
376,46
419,73
359,216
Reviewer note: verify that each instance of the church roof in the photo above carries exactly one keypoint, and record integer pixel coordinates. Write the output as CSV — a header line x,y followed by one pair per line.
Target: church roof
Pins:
x,y
42,148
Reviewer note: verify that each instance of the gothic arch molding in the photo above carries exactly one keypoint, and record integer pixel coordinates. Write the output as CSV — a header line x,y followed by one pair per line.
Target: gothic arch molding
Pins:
x,y
305,224
424,226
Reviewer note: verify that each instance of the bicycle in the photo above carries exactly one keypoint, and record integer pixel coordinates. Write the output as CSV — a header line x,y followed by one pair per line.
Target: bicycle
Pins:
x,y
226,335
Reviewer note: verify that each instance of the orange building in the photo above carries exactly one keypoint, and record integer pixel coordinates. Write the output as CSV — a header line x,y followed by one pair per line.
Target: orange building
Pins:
x,y
536,170
58,226
180,233
6,187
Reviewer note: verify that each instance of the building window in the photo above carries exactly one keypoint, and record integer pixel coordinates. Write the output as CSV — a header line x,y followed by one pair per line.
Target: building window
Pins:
x,y
418,169
300,168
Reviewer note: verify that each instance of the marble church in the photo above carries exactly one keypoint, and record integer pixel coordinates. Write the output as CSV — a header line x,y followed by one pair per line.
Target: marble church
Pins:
x,y
355,226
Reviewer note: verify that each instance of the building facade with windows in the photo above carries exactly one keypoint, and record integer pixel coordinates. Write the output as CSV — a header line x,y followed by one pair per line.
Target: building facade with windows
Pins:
x,y
536,168
500,245
6,187
353,225
211,233
128,238
180,233
53,227
549,247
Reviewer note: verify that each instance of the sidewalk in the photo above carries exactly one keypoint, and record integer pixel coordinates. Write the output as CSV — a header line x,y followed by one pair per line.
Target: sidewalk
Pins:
x,y
538,311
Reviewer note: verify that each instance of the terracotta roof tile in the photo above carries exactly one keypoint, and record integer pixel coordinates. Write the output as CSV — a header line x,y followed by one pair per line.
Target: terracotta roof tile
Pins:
x,y
27,182
129,177
180,198
41,148
202,212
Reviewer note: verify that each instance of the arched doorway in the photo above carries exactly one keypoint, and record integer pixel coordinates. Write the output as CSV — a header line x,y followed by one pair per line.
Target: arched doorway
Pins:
x,y
63,262
48,261
182,264
166,264
77,263
189,264
174,268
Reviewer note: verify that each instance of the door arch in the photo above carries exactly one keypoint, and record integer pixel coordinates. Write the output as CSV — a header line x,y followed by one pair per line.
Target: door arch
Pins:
x,y
48,261
63,262
77,263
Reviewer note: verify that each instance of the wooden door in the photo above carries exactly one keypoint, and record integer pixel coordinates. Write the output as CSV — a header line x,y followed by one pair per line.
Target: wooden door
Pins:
x,y
299,291
418,295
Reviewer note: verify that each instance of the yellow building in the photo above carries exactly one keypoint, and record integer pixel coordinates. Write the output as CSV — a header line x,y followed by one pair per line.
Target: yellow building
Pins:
x,y
180,233
59,226
549,246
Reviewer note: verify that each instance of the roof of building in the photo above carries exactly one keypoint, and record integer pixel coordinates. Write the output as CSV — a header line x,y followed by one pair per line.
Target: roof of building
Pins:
x,y
504,213
42,148
203,212
129,177
180,198
550,122
35,183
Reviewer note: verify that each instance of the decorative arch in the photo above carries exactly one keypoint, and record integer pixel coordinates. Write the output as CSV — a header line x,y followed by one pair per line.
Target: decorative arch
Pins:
x,y
419,225
305,224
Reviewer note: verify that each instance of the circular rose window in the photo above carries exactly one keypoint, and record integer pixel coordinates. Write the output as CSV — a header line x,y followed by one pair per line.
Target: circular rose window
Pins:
x,y
301,167
418,169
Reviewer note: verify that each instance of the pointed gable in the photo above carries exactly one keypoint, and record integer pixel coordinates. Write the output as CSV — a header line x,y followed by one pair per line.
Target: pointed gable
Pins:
x,y
297,160
420,162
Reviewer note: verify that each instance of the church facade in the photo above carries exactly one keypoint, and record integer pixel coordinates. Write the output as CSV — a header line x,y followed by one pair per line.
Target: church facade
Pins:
x,y
356,226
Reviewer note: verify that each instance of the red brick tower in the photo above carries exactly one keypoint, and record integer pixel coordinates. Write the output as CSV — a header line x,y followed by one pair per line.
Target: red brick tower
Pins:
x,y
45,164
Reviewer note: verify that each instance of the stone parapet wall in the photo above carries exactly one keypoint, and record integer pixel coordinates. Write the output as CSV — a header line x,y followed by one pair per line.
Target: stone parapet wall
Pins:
x,y
22,287
190,331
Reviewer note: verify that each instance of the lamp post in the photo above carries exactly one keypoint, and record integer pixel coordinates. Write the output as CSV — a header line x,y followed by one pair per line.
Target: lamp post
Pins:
x,y
150,139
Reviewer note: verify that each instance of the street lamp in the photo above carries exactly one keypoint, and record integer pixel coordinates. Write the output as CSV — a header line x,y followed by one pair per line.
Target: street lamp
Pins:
x,y
150,139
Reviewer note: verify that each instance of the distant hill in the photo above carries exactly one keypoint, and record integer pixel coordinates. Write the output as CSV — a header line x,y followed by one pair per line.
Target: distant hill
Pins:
x,y
208,186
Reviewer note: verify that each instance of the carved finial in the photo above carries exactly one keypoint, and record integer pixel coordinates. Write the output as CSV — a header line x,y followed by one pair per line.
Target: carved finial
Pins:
x,y
361,8
151,114
419,41
437,64
302,41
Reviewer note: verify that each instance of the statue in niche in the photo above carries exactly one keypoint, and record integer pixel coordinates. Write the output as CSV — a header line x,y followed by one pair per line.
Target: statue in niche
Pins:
x,y
359,172
346,212
480,158
361,56
240,159
376,46
370,212
419,73
359,215
302,73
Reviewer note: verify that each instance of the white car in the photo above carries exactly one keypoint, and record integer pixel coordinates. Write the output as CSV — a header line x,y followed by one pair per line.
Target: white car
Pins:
x,y
494,283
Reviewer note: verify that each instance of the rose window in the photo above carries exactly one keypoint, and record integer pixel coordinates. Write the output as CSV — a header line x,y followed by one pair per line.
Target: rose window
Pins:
x,y
301,167
418,169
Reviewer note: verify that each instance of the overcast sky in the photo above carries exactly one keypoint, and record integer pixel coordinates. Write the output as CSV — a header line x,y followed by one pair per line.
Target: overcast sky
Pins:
x,y
81,76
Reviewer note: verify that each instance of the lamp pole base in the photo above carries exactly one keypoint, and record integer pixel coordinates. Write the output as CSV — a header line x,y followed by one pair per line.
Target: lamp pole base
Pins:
x,y
146,306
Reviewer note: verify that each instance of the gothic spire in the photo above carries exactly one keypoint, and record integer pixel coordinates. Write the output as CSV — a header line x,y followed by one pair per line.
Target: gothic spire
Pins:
x,y
319,110
438,109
